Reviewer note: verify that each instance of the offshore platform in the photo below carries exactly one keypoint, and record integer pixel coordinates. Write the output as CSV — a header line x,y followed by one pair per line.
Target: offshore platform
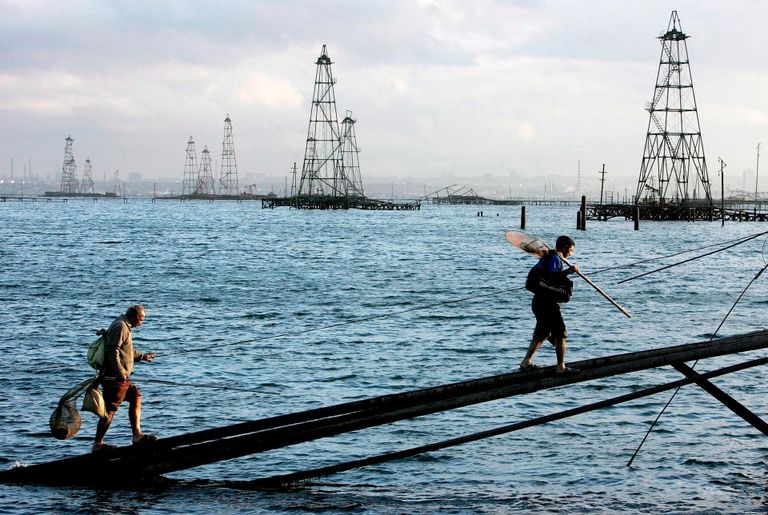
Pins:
x,y
330,175
72,187
673,183
199,182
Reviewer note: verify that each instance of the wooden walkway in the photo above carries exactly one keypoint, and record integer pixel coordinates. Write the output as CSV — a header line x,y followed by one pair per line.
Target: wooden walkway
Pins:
x,y
212,445
690,213
331,202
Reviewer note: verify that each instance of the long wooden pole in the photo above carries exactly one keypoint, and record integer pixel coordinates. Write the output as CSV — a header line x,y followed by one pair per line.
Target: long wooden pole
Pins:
x,y
536,247
599,290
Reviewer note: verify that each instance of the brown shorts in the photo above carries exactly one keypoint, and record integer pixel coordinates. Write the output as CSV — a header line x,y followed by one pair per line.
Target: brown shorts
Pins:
x,y
115,392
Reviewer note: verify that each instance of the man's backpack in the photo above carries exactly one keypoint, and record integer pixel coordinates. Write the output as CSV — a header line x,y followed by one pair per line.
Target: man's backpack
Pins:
x,y
540,282
95,353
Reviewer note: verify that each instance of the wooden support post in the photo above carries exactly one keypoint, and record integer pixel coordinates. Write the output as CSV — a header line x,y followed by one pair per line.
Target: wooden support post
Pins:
x,y
578,220
583,212
636,217
729,402
522,218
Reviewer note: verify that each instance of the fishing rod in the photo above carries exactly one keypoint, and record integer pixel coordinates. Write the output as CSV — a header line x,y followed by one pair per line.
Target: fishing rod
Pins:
x,y
535,246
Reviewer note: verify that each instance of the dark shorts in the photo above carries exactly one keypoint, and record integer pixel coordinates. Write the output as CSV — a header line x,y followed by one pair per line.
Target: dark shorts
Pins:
x,y
115,392
549,320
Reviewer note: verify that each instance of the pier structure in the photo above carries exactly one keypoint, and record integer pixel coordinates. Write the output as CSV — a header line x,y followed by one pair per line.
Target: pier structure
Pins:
x,y
466,195
191,171
86,186
673,174
228,185
69,183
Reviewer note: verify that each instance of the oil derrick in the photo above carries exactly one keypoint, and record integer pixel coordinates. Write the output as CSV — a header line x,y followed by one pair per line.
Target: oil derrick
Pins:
x,y
674,168
321,173
228,181
190,169
205,182
86,186
350,161
69,182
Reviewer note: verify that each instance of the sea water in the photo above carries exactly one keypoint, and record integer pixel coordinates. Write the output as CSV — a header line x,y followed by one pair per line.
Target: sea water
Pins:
x,y
255,313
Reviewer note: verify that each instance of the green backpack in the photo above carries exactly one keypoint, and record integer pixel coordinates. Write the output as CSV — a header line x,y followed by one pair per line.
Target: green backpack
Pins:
x,y
96,350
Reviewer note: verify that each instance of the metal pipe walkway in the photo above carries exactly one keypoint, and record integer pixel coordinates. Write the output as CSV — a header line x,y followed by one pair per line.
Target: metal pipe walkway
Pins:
x,y
209,446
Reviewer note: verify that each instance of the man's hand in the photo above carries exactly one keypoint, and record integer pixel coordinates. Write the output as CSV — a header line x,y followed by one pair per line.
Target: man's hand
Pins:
x,y
573,269
148,357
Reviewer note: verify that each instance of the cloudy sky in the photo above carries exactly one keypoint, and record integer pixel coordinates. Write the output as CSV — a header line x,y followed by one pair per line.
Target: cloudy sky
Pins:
x,y
515,88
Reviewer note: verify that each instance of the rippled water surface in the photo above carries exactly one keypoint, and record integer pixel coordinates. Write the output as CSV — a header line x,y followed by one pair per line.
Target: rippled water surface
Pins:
x,y
254,313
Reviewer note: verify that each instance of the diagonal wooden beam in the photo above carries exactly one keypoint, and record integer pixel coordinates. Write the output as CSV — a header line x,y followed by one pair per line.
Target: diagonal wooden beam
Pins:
x,y
729,402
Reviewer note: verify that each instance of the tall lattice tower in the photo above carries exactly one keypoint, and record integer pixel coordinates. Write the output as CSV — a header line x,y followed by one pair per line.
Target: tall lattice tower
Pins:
x,y
350,160
674,167
69,182
205,181
190,169
321,173
228,181
86,186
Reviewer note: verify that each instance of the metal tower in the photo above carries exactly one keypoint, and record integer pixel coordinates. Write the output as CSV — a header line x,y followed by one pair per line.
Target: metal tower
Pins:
x,y
190,169
321,173
69,182
205,181
350,161
674,167
228,182
87,185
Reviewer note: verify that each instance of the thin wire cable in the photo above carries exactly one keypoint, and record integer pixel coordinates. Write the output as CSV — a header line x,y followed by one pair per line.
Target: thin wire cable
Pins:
x,y
632,459
741,239
693,258
737,241
428,306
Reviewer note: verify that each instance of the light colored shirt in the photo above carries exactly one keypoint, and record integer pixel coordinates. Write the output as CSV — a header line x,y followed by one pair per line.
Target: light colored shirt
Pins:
x,y
119,354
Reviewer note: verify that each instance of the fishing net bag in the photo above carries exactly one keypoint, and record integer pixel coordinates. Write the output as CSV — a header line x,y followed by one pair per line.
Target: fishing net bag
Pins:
x,y
93,401
65,421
